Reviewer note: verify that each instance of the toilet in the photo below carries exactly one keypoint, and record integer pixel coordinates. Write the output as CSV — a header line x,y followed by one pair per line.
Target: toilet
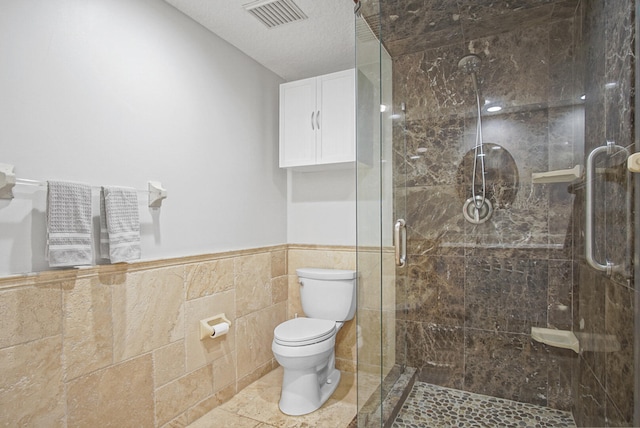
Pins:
x,y
305,346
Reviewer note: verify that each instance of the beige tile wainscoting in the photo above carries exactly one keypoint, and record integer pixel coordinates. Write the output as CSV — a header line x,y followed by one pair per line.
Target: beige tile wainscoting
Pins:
x,y
118,345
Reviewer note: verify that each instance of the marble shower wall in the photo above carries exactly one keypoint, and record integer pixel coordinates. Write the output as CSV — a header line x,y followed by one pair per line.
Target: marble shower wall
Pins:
x,y
119,345
471,293
603,306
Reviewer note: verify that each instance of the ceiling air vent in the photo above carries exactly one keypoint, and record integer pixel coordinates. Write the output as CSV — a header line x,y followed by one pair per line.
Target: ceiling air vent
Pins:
x,y
275,12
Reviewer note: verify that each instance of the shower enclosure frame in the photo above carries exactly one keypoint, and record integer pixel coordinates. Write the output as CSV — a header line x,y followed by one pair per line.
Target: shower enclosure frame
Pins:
x,y
375,244
375,208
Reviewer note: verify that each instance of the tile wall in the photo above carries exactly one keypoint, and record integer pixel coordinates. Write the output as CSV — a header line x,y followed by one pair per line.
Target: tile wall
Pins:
x,y
472,292
604,306
119,345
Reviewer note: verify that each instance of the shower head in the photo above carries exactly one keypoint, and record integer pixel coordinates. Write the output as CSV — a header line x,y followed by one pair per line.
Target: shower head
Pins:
x,y
469,63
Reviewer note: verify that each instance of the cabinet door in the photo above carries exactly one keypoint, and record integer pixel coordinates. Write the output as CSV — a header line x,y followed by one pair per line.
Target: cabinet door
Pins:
x,y
297,123
336,104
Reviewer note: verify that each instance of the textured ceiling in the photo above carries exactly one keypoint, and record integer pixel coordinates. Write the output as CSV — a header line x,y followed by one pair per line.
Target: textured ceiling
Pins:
x,y
325,42
321,44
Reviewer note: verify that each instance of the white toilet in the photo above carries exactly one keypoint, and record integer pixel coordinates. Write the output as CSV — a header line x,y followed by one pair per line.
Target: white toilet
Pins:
x,y
305,347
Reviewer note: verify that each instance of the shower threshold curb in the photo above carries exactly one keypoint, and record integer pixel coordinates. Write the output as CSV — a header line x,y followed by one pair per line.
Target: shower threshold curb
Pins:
x,y
399,384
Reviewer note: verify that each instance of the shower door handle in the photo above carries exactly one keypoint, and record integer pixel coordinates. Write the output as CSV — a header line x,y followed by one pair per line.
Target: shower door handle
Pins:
x,y
400,242
607,266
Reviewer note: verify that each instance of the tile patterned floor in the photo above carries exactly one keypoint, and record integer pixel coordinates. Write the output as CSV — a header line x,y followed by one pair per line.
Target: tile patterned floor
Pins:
x,y
256,406
434,406
427,405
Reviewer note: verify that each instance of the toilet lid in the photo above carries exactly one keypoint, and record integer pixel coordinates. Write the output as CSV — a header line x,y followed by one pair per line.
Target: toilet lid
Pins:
x,y
304,331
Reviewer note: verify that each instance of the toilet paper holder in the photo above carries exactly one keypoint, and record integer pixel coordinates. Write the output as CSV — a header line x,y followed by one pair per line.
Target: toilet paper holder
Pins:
x,y
207,326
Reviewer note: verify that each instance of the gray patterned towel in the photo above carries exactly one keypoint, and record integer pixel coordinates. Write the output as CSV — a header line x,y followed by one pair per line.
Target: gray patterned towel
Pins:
x,y
121,242
69,240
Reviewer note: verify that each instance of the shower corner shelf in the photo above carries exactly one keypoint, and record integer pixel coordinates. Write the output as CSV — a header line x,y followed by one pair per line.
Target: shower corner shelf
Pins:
x,y
557,176
556,338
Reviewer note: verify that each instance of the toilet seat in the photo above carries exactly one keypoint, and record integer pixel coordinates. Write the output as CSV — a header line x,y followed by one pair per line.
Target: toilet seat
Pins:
x,y
304,331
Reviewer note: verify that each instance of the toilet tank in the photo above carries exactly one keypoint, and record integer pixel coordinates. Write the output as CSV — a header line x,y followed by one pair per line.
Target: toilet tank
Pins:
x,y
328,294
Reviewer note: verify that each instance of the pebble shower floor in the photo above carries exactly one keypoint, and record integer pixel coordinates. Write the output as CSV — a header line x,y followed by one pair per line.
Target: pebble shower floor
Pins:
x,y
437,407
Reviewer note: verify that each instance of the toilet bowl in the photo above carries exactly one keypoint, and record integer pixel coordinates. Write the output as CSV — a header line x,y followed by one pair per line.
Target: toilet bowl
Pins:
x,y
309,376
305,346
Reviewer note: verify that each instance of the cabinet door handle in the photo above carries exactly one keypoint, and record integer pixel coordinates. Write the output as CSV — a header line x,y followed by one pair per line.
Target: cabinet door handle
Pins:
x,y
318,120
312,113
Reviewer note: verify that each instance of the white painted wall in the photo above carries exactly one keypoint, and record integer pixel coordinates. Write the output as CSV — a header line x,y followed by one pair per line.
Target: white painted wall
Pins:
x,y
121,92
321,207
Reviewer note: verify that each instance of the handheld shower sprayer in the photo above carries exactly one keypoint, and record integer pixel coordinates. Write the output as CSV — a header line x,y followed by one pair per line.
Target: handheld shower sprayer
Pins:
x,y
470,63
478,208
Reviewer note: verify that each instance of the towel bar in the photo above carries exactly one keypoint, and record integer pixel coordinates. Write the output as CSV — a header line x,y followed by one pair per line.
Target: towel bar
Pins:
x,y
8,180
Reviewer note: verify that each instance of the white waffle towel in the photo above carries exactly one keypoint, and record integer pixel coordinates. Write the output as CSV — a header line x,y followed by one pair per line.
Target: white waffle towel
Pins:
x,y
103,249
69,240
120,241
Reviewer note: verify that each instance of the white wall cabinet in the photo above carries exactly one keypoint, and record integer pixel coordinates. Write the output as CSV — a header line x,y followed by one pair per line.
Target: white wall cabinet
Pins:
x,y
317,121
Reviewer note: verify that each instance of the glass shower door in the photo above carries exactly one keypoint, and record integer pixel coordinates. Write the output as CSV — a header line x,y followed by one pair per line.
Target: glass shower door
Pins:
x,y
376,221
473,291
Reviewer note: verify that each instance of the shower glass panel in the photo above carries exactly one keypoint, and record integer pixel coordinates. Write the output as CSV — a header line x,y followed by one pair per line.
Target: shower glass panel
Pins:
x,y
375,218
554,81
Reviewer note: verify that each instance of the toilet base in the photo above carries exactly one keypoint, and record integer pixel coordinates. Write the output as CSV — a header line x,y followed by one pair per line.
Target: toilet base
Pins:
x,y
302,394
